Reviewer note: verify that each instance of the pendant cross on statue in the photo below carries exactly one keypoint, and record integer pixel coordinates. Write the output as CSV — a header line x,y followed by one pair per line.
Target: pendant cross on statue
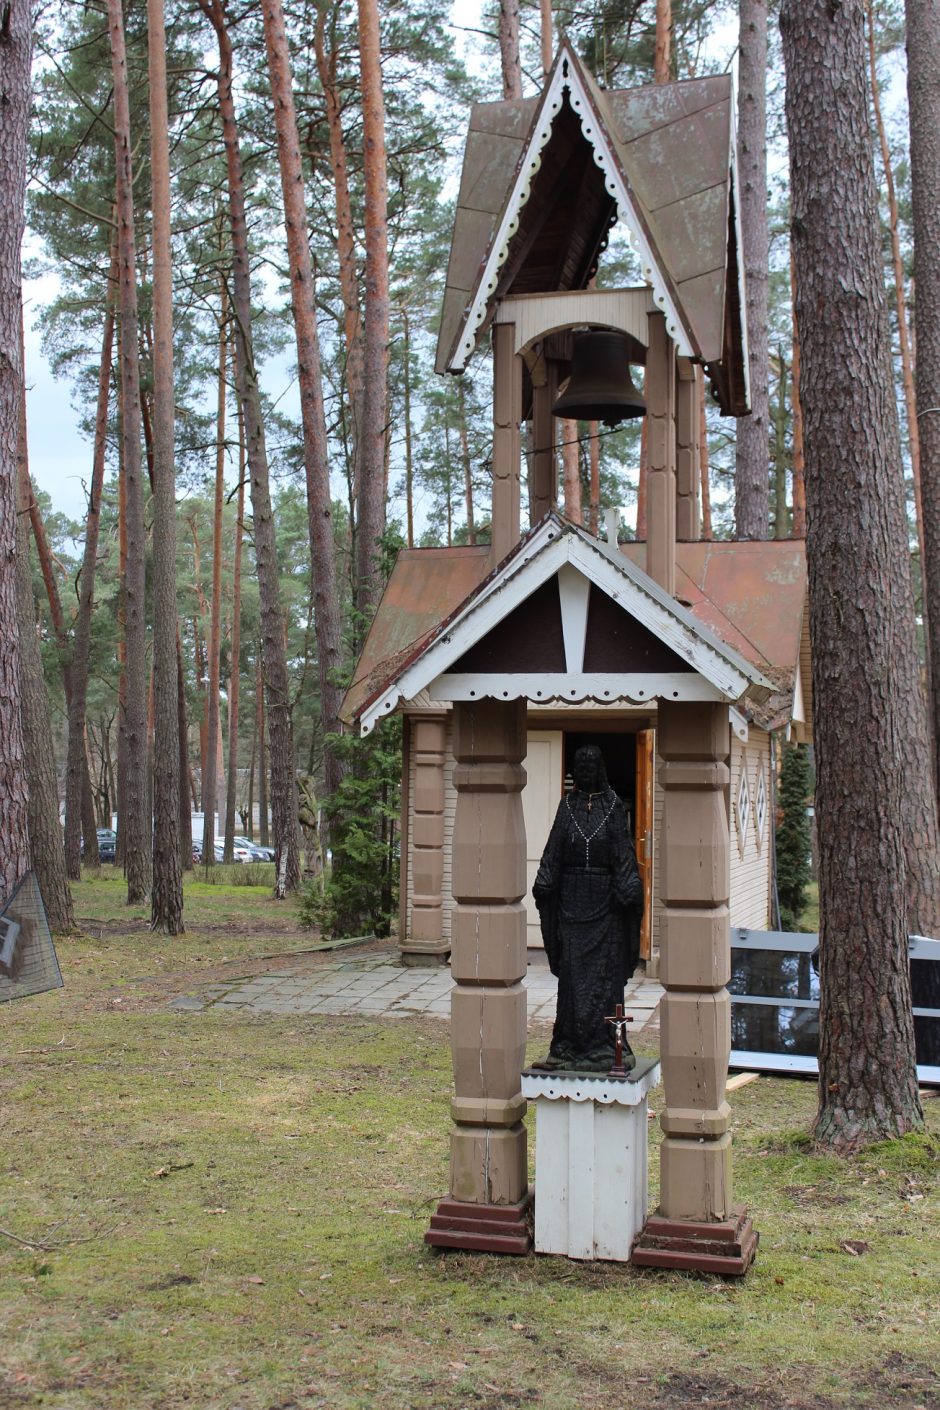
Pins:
x,y
619,1022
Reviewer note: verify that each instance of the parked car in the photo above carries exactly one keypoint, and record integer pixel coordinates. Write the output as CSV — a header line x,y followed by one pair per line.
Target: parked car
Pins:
x,y
107,842
257,853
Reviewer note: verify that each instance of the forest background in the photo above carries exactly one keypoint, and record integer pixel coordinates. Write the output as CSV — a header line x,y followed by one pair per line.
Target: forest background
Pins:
x,y
376,138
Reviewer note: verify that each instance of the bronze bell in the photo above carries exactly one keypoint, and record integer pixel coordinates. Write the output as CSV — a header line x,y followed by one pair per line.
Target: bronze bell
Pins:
x,y
600,387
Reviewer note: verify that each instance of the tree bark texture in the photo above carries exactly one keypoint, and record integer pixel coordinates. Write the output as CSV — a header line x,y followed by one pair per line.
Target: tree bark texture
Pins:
x,y
752,453
327,623
235,677
857,559
662,59
546,36
76,770
210,772
345,232
923,89
703,466
799,457
45,835
371,506
571,469
137,825
509,48
86,804
15,53
276,680
167,896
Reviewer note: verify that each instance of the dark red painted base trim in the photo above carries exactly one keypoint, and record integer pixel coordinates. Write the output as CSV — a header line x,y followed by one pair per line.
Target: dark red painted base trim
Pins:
x,y
484,1228
726,1248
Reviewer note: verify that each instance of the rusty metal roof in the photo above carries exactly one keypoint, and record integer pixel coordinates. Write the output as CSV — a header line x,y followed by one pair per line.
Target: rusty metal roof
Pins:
x,y
674,144
750,594
425,587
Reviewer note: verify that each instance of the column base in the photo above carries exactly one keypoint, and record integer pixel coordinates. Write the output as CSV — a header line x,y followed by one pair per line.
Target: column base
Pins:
x,y
482,1228
726,1247
413,956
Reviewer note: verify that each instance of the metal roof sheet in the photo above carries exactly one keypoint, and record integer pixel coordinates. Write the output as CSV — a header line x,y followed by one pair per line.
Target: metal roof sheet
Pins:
x,y
751,595
674,144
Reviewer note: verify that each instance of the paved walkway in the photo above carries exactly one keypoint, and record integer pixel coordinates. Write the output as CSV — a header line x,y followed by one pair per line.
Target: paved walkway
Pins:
x,y
380,986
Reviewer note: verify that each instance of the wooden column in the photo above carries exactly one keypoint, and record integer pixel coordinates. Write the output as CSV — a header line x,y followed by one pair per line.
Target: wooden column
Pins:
x,y
507,414
542,473
423,943
661,430
688,450
696,1225
489,1196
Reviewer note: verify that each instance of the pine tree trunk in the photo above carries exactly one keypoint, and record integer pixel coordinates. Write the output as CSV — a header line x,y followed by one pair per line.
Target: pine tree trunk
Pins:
x,y
167,899
345,234
409,448
859,594
465,459
137,821
594,444
546,36
509,48
662,60
571,469
326,613
703,464
900,298
781,524
277,685
77,760
799,459
186,803
45,835
234,680
262,761
210,777
15,49
371,504
64,648
752,455
923,87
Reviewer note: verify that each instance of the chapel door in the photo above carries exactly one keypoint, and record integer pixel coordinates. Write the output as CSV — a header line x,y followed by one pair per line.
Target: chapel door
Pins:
x,y
643,832
540,797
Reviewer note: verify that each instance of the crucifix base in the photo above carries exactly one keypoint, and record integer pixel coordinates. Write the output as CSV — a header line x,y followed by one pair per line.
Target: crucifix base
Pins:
x,y
590,1160
482,1228
726,1247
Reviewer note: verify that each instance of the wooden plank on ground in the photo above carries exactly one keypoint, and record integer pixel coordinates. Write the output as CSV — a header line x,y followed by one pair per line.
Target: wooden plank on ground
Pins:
x,y
740,1079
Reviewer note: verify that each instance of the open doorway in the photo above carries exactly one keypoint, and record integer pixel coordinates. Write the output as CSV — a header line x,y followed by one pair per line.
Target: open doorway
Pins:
x,y
628,758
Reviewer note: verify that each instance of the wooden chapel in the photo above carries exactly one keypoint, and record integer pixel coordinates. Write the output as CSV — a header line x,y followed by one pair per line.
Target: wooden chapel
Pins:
x,y
524,647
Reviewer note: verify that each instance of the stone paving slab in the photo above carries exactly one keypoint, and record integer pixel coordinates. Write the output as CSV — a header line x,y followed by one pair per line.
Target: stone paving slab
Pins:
x,y
380,986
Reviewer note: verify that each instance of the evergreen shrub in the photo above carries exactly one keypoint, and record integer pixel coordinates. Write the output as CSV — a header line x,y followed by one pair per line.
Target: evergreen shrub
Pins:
x,y
358,892
793,835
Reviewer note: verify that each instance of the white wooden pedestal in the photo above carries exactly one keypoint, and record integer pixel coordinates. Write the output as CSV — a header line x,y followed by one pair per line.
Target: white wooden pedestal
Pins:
x,y
591,1147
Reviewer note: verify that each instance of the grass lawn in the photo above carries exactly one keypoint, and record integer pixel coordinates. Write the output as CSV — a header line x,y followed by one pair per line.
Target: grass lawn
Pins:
x,y
227,1212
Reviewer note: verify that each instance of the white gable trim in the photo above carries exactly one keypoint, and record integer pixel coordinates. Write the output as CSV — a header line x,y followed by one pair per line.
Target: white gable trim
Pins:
x,y
547,552
574,591
574,687
565,76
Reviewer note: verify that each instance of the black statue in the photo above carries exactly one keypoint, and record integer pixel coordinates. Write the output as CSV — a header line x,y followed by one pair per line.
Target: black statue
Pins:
x,y
590,900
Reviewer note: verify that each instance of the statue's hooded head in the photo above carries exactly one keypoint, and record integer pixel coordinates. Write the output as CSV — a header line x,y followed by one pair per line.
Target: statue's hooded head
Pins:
x,y
588,771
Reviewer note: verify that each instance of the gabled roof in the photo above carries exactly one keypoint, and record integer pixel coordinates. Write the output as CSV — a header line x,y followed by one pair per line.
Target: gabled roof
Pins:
x,y
543,178
749,594
696,663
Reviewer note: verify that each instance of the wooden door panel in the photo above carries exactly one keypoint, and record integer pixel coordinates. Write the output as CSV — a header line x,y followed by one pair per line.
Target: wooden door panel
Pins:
x,y
540,797
643,834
